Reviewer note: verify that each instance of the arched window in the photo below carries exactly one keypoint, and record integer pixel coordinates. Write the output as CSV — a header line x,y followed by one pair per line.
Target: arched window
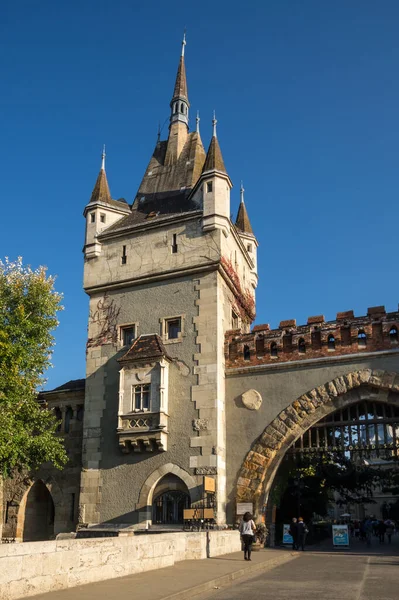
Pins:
x,y
80,413
393,335
361,339
247,353
260,344
301,346
175,108
68,419
273,350
331,342
182,107
58,416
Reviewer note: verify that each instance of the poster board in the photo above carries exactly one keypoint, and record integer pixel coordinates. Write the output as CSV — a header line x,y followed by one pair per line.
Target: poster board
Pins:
x,y
340,535
243,507
287,538
209,484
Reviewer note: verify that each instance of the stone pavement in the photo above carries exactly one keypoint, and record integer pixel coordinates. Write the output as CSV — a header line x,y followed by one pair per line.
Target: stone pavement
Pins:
x,y
180,582
327,575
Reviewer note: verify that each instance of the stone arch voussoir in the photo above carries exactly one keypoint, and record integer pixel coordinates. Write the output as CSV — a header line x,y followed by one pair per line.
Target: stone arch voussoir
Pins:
x,y
262,461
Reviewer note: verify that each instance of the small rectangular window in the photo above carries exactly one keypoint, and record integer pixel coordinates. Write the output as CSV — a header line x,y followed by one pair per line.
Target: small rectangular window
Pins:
x,y
173,328
249,247
124,256
102,218
92,217
209,186
174,244
128,333
141,397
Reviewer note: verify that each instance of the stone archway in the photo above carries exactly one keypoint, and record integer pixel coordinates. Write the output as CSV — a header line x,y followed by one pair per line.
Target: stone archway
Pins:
x,y
55,493
262,461
144,505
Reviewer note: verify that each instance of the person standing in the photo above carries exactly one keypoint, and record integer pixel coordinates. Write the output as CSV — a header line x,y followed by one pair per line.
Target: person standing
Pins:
x,y
381,531
389,529
302,531
247,530
294,533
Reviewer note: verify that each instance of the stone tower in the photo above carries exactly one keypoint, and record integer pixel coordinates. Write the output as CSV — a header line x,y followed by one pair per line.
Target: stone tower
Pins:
x,y
166,278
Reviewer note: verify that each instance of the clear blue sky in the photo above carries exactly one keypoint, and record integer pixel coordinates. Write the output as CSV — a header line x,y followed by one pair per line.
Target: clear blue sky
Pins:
x,y
307,100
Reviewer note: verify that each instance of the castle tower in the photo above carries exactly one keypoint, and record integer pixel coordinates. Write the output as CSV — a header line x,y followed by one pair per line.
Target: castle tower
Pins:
x,y
165,280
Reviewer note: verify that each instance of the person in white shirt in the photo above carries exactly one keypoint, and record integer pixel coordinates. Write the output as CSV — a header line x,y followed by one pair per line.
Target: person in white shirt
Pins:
x,y
247,531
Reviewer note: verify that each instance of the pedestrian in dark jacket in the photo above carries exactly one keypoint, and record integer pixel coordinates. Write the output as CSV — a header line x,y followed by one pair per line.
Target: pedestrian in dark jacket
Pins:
x,y
247,531
294,533
302,531
381,531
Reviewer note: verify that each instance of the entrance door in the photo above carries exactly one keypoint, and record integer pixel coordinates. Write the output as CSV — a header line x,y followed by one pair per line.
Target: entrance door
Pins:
x,y
39,514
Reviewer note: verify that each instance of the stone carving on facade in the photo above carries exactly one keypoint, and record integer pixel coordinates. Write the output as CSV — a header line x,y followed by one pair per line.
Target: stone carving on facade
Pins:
x,y
200,424
206,471
251,399
105,319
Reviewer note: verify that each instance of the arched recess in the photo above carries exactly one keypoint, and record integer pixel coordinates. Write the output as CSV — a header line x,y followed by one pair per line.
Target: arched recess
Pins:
x,y
57,498
262,461
144,505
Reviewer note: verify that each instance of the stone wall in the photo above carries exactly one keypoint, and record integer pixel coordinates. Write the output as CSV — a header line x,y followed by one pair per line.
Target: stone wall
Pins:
x,y
38,567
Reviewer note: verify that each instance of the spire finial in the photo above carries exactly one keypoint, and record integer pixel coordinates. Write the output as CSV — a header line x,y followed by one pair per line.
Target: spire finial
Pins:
x,y
183,42
214,121
103,159
197,121
242,190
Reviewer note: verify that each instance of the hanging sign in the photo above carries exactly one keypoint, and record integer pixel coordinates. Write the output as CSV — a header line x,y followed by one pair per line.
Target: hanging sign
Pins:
x,y
209,484
340,535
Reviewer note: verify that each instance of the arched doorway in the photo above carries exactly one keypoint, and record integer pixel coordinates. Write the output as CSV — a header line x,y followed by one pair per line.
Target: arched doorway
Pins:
x,y
342,465
259,468
38,514
170,498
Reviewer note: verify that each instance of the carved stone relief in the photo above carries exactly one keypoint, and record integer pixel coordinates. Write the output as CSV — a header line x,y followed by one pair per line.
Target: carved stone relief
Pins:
x,y
251,400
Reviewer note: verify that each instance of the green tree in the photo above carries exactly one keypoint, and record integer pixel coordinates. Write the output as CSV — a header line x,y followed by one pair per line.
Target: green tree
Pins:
x,y
28,315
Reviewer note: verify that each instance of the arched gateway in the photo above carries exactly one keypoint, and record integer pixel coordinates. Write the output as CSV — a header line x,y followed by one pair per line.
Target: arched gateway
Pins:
x,y
262,461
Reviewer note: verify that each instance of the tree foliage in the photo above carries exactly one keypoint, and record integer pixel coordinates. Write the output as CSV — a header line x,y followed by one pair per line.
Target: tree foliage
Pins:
x,y
28,315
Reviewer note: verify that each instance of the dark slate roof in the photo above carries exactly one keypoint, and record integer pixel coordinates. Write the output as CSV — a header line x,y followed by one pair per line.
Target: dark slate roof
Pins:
x,y
101,191
214,158
180,90
145,347
242,222
165,189
72,385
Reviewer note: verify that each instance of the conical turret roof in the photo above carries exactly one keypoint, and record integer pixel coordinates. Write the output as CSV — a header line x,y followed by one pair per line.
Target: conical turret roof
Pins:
x,y
242,221
180,90
214,158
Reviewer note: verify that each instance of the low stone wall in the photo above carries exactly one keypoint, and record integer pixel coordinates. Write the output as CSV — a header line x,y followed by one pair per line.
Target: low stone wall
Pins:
x,y
36,567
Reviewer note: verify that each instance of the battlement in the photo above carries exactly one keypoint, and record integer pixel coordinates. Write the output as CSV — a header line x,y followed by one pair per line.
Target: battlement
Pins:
x,y
376,331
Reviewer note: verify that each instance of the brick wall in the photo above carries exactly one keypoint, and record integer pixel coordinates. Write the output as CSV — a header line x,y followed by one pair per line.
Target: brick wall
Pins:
x,y
377,331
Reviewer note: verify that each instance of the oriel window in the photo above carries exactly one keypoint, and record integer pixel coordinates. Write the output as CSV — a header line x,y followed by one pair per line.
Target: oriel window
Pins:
x,y
141,397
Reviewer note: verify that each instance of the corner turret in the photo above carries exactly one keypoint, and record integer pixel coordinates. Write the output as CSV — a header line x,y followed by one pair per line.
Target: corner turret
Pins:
x,y
101,212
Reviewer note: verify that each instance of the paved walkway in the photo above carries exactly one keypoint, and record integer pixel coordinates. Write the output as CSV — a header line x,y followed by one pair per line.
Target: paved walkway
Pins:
x,y
180,582
327,575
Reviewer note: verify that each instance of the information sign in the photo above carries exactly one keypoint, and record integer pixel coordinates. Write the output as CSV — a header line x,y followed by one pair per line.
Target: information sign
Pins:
x,y
340,535
287,537
243,507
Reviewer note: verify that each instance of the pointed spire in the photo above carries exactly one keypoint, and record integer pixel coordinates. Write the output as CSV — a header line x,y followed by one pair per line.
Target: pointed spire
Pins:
x,y
183,43
214,122
242,221
101,191
214,158
197,122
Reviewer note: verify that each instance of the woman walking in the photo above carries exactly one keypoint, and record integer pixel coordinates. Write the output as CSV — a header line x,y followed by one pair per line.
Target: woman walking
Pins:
x,y
247,530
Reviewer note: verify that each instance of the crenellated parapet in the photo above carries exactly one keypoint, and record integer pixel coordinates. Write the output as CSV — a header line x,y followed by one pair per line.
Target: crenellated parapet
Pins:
x,y
376,331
